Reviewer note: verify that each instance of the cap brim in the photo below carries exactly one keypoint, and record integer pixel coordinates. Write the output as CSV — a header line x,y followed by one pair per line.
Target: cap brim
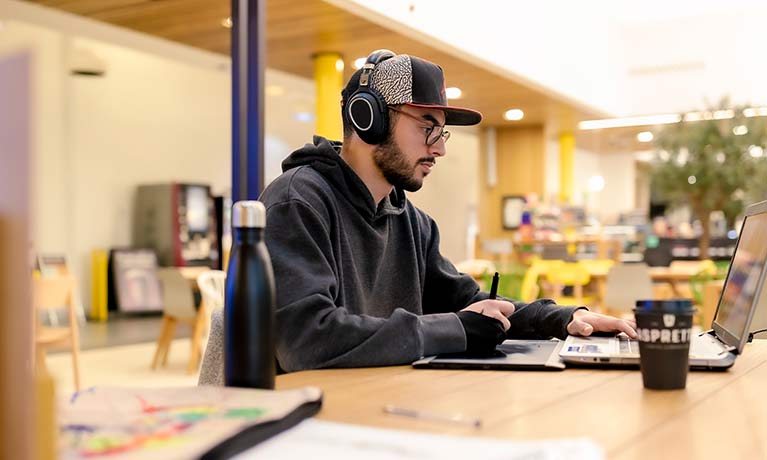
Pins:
x,y
455,116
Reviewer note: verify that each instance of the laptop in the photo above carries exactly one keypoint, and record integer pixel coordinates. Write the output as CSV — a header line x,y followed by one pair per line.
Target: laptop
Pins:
x,y
534,355
717,348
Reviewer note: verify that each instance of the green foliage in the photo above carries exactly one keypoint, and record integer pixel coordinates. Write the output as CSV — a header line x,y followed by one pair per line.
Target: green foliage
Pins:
x,y
706,165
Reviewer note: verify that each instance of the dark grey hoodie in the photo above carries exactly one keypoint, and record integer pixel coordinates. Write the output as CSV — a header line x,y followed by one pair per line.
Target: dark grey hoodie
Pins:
x,y
360,284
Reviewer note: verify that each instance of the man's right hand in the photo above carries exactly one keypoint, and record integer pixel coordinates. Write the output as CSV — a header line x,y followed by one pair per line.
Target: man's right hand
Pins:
x,y
497,309
485,324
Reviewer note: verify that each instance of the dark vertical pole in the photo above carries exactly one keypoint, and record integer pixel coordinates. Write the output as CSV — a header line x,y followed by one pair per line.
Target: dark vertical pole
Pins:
x,y
248,63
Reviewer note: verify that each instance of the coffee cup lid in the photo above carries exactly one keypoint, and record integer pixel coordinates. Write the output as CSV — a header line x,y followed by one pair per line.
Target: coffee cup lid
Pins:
x,y
668,305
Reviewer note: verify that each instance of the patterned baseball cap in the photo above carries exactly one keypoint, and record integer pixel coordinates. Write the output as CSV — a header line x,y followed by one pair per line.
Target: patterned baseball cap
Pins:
x,y
405,79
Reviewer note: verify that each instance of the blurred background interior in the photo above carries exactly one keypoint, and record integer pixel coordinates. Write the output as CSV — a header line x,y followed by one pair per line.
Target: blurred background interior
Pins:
x,y
619,146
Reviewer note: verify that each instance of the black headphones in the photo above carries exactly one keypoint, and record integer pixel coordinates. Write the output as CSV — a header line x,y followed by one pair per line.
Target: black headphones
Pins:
x,y
366,108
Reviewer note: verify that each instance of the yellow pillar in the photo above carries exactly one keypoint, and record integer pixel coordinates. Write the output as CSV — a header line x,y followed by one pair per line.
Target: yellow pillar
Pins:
x,y
566,160
328,81
99,267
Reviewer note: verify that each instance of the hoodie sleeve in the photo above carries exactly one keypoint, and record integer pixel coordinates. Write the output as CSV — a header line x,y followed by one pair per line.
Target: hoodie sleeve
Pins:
x,y
312,330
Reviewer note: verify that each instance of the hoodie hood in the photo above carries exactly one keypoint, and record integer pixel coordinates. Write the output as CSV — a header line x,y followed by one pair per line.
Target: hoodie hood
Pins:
x,y
323,156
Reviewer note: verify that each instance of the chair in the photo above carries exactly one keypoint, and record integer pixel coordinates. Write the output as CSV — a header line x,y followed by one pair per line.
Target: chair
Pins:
x,y
530,289
569,274
597,266
178,307
212,368
53,292
627,283
212,285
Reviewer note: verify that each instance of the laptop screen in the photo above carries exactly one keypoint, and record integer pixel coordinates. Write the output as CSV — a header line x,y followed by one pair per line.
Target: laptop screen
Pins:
x,y
742,283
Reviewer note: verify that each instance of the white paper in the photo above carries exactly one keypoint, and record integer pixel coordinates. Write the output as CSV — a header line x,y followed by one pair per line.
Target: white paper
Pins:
x,y
318,440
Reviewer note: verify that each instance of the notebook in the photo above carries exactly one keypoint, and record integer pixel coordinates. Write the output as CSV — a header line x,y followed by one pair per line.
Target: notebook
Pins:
x,y
509,355
205,422
717,348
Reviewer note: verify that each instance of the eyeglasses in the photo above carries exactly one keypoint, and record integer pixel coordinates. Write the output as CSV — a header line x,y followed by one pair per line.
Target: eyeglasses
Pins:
x,y
433,132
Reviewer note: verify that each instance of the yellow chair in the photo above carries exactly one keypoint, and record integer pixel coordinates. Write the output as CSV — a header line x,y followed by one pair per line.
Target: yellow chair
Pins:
x,y
597,266
56,292
530,289
569,274
598,270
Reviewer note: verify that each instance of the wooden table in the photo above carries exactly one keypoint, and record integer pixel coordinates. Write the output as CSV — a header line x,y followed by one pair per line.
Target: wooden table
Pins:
x,y
719,415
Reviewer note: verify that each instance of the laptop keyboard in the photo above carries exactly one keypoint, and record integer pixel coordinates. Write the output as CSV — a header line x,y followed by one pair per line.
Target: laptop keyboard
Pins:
x,y
699,346
627,345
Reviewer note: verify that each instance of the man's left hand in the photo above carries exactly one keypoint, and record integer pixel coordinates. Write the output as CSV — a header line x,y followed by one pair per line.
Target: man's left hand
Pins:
x,y
585,323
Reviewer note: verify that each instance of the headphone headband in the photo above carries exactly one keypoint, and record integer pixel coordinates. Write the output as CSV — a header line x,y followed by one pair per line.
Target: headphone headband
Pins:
x,y
373,60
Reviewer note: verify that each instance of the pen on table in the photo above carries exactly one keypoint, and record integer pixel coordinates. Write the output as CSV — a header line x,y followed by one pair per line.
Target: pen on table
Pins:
x,y
494,286
412,413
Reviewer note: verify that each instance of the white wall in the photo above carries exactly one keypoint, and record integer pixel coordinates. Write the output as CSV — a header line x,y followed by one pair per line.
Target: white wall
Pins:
x,y
617,169
677,64
619,194
147,120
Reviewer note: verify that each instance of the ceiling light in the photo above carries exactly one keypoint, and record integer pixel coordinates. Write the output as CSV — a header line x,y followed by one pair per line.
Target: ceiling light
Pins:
x,y
645,156
756,151
647,120
304,117
340,65
596,183
723,114
693,116
359,62
740,130
720,157
453,92
692,180
514,114
755,112
227,22
645,136
274,90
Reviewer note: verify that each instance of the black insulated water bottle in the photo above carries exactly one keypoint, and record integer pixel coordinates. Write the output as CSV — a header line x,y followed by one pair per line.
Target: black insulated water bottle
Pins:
x,y
249,302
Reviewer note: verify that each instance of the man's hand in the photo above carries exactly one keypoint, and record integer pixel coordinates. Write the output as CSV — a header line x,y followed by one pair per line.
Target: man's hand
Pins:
x,y
586,323
496,309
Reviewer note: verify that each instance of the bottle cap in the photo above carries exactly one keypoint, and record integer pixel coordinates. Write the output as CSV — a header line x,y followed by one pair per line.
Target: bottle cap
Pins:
x,y
248,214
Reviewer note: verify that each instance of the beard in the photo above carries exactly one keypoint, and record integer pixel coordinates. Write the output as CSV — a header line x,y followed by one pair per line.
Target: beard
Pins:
x,y
395,167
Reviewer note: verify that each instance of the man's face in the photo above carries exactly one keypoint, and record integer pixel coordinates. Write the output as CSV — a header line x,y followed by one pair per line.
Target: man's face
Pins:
x,y
405,159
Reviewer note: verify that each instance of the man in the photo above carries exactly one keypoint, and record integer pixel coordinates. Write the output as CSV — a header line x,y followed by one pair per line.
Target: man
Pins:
x,y
359,276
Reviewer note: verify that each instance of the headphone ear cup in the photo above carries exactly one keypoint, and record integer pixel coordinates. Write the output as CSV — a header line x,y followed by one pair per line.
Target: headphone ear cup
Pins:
x,y
369,116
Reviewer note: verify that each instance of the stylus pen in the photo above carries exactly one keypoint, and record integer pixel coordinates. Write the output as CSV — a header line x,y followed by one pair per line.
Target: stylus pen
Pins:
x,y
494,286
412,413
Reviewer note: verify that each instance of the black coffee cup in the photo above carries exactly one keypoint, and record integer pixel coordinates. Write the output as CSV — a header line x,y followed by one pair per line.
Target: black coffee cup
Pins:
x,y
664,330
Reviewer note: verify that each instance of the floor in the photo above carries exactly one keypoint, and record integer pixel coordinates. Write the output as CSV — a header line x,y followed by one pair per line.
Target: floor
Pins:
x,y
126,365
119,352
124,330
